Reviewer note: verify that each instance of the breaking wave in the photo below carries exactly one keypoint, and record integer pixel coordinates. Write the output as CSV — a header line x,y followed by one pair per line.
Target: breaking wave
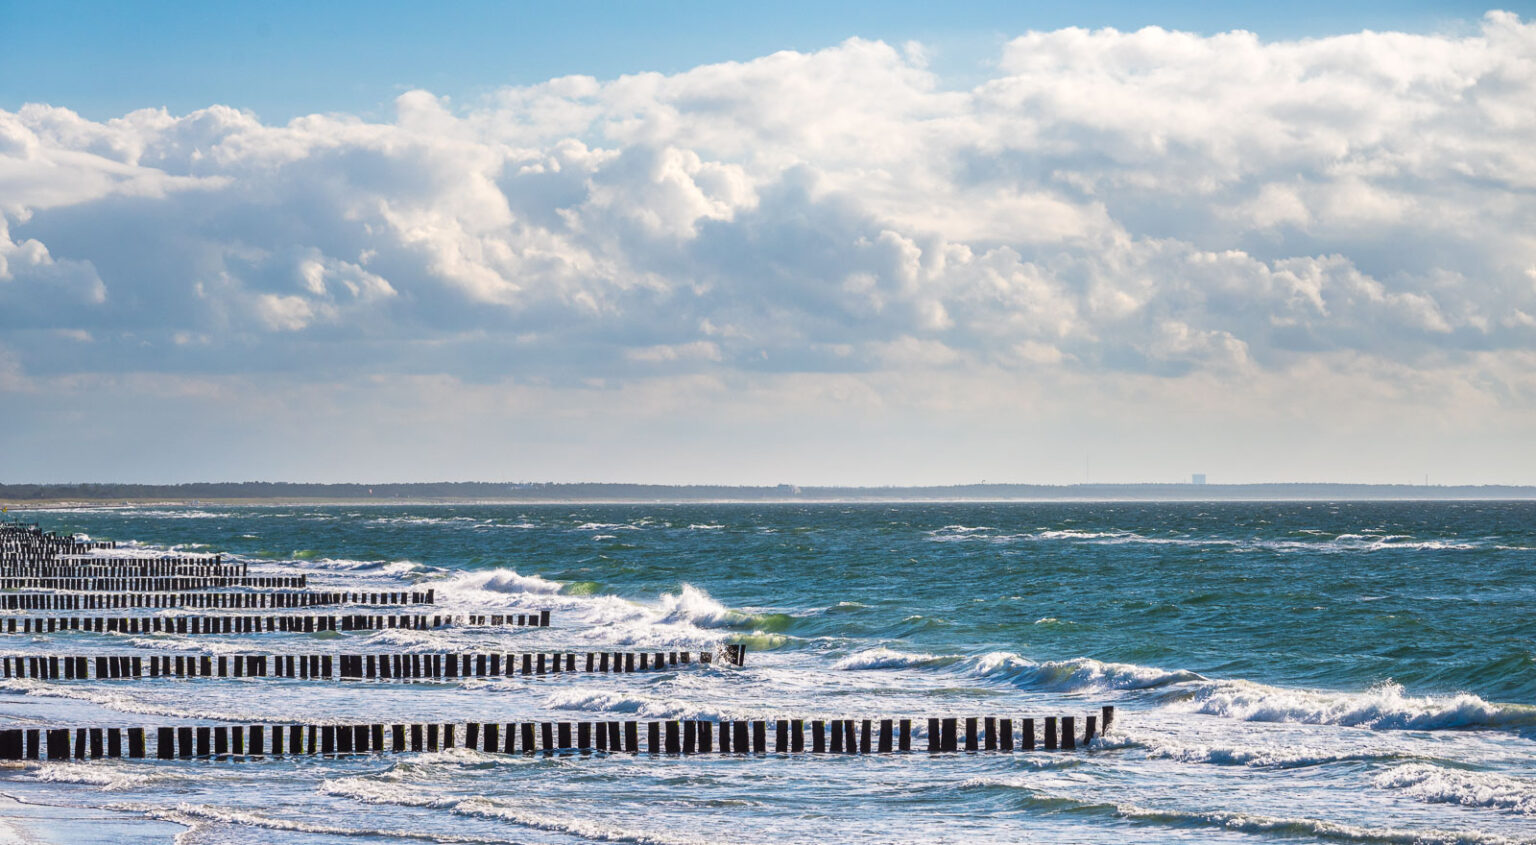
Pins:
x,y
1384,707
1437,785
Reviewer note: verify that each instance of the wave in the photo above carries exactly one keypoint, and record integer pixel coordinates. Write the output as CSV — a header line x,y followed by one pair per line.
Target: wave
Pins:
x,y
1437,785
1286,826
198,815
1383,707
390,789
695,607
108,777
644,706
507,582
1262,756
1077,674
1341,543
419,520
886,658
1315,828
118,701
383,567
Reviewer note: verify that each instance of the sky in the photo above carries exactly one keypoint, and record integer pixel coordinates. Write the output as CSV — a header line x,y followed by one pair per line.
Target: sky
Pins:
x,y
893,243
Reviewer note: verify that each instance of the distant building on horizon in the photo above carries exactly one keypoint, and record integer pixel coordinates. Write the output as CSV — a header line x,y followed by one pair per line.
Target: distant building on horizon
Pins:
x,y
1197,478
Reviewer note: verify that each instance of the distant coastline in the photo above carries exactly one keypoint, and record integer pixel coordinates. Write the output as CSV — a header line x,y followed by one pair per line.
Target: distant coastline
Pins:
x,y
274,493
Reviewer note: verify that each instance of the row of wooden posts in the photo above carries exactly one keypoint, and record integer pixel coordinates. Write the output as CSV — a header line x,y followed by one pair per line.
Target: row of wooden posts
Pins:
x,y
790,736
157,583
30,559
226,601
291,623
121,567
128,567
25,540
350,666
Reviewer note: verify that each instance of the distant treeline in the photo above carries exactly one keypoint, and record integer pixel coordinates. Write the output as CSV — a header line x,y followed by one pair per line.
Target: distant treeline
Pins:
x,y
482,491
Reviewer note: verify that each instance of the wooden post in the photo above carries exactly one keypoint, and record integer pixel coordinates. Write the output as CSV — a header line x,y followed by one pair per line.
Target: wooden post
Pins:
x,y
1090,728
797,736
760,737
906,735
12,746
1005,734
818,737
1050,733
632,737
951,742
989,730
935,737
1029,734
1068,732
58,744
780,736
971,737
1109,717
674,738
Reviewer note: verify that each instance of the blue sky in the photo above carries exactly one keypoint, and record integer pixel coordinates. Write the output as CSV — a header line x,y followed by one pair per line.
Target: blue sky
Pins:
x,y
877,244
288,58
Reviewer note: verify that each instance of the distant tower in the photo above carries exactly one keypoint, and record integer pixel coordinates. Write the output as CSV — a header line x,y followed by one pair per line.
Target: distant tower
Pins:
x,y
1197,478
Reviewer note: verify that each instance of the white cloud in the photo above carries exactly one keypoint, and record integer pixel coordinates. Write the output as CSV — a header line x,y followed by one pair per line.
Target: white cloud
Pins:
x,y
1214,211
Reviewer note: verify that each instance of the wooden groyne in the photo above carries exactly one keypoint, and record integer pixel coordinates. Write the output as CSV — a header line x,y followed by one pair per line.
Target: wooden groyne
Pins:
x,y
943,735
79,577
169,583
121,567
354,666
286,623
217,601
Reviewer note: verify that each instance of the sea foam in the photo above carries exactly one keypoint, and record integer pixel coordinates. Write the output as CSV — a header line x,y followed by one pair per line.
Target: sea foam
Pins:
x,y
1384,707
1439,785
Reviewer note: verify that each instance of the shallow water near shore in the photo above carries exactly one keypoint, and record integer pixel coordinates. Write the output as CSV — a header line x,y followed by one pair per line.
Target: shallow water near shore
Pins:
x,y
1361,672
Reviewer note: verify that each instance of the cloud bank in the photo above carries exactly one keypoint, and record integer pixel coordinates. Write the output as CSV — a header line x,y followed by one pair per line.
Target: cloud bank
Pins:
x,y
1112,235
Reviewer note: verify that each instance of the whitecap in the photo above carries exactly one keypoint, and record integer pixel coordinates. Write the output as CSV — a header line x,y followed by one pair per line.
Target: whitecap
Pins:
x,y
1438,785
886,658
1383,707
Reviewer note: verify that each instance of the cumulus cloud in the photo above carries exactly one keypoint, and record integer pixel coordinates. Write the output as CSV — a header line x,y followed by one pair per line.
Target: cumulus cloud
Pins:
x,y
1107,205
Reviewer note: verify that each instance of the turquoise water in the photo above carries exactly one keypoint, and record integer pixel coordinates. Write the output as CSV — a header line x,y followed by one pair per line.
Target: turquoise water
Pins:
x,y
1285,671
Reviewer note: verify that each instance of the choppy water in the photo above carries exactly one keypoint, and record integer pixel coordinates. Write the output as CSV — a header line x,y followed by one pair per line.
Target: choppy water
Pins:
x,y
1285,672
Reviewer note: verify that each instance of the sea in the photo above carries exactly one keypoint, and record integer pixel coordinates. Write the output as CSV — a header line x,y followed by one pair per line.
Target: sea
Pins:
x,y
1282,672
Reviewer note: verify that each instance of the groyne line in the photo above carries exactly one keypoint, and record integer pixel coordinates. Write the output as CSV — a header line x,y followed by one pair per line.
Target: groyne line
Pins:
x,y
213,601
245,624
355,666
944,735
